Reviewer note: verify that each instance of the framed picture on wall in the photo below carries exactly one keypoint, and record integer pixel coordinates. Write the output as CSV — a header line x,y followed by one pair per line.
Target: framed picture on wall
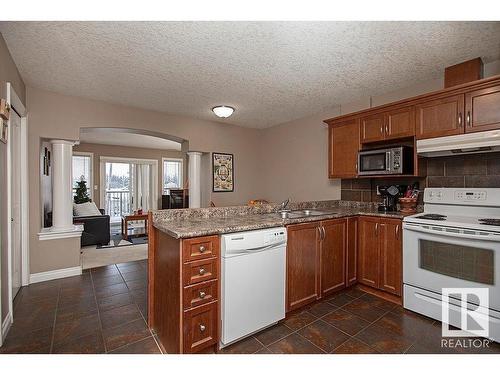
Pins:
x,y
3,130
222,172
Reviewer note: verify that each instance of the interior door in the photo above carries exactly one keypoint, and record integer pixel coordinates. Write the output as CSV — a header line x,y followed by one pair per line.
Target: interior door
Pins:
x,y
333,252
16,258
482,109
368,263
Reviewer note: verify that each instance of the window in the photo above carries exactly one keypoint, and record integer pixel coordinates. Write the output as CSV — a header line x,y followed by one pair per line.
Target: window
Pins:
x,y
82,166
172,174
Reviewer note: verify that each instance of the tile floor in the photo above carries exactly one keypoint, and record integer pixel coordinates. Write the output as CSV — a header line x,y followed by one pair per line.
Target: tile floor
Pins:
x,y
104,311
352,322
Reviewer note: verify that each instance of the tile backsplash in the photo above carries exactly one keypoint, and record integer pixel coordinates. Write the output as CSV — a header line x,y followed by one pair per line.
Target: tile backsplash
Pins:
x,y
462,171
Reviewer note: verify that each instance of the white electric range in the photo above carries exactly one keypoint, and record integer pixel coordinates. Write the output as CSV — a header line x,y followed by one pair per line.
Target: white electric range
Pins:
x,y
454,243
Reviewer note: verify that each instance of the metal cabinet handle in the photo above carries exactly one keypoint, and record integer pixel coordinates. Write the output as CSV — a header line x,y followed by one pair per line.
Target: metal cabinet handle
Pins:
x,y
319,232
387,129
460,119
202,294
376,229
356,167
202,249
324,232
202,328
201,271
382,129
468,119
397,231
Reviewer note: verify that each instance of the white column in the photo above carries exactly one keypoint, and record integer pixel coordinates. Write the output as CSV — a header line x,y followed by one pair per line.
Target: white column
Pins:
x,y
62,205
194,175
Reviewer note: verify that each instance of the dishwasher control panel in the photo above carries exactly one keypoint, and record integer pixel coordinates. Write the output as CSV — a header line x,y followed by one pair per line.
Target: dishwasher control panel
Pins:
x,y
276,236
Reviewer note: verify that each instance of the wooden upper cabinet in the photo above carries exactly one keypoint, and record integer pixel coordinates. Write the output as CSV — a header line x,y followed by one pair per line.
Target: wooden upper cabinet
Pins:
x,y
302,255
440,117
333,253
390,256
372,128
368,251
400,123
396,123
482,109
343,147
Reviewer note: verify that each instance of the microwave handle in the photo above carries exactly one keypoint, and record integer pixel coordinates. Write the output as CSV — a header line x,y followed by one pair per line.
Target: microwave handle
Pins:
x,y
388,161
452,234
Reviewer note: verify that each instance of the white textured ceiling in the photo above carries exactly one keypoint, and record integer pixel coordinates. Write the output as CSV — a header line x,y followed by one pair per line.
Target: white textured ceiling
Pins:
x,y
271,72
127,139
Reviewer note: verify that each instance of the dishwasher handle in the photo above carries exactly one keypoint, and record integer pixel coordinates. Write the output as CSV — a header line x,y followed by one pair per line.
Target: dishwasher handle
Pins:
x,y
257,249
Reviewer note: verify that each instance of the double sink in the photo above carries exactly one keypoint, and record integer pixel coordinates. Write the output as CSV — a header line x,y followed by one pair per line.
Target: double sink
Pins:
x,y
297,214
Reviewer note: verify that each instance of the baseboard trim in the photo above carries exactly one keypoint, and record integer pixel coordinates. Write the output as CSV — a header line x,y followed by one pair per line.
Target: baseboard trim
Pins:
x,y
7,322
55,274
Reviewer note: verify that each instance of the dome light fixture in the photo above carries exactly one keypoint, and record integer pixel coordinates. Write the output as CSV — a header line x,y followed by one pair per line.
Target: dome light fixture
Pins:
x,y
223,111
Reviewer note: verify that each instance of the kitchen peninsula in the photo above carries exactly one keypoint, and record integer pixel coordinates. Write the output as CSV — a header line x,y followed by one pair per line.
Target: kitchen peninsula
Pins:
x,y
325,253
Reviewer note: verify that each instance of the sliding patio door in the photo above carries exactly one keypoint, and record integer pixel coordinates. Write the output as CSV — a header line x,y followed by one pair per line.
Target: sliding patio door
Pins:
x,y
127,186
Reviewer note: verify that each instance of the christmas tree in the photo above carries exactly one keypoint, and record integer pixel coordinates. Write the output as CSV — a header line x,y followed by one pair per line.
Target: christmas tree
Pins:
x,y
81,194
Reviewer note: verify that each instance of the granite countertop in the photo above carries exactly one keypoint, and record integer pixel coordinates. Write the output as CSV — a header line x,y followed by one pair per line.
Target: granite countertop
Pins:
x,y
184,223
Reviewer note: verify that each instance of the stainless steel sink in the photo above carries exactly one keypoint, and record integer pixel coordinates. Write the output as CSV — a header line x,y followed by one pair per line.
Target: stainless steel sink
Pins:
x,y
296,214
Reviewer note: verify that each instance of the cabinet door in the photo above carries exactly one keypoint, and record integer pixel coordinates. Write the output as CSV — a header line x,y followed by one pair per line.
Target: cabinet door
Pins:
x,y
400,123
368,251
482,109
440,117
352,251
390,256
333,253
343,147
302,256
372,128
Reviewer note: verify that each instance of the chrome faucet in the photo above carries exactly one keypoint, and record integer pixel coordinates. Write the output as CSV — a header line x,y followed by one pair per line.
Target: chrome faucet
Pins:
x,y
284,204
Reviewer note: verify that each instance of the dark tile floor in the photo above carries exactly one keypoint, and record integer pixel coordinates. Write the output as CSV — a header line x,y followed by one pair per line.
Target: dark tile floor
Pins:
x,y
104,311
352,322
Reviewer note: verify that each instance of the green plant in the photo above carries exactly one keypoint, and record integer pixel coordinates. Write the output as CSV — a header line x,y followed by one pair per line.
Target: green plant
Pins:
x,y
81,193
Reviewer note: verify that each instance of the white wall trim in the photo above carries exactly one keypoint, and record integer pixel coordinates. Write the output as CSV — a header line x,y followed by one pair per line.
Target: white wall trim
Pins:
x,y
6,324
55,274
56,234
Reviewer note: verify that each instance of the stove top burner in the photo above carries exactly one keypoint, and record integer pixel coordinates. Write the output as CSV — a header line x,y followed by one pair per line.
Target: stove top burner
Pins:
x,y
490,221
432,217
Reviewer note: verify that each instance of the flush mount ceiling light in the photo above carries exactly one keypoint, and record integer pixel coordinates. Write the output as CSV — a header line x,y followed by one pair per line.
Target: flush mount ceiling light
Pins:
x,y
223,111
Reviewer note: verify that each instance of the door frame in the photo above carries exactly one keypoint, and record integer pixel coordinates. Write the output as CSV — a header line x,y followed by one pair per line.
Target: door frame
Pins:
x,y
17,105
109,159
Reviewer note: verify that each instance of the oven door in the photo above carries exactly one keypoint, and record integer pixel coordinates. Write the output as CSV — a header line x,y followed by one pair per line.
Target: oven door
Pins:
x,y
439,257
374,162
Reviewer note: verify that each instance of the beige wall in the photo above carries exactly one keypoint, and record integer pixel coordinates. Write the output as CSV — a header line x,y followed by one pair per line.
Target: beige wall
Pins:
x,y
294,161
8,73
58,116
126,152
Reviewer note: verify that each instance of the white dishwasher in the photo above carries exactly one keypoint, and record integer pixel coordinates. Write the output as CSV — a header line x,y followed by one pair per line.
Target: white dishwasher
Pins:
x,y
253,282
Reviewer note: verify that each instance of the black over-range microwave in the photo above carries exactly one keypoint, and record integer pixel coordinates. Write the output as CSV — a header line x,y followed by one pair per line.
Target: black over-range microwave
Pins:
x,y
386,161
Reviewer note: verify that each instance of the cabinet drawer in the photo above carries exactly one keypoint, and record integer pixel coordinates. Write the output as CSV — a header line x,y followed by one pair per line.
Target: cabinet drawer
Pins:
x,y
200,248
200,328
200,270
199,294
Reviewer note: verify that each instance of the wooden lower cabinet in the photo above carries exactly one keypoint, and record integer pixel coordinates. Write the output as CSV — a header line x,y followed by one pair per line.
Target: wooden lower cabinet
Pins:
x,y
302,258
183,291
316,254
352,251
380,254
333,255
368,251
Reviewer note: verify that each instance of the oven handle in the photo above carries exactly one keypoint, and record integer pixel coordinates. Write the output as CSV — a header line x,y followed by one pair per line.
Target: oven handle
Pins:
x,y
449,234
388,161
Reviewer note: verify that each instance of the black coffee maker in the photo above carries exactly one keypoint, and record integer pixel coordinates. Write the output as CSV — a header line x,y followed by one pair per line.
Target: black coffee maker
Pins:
x,y
390,195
